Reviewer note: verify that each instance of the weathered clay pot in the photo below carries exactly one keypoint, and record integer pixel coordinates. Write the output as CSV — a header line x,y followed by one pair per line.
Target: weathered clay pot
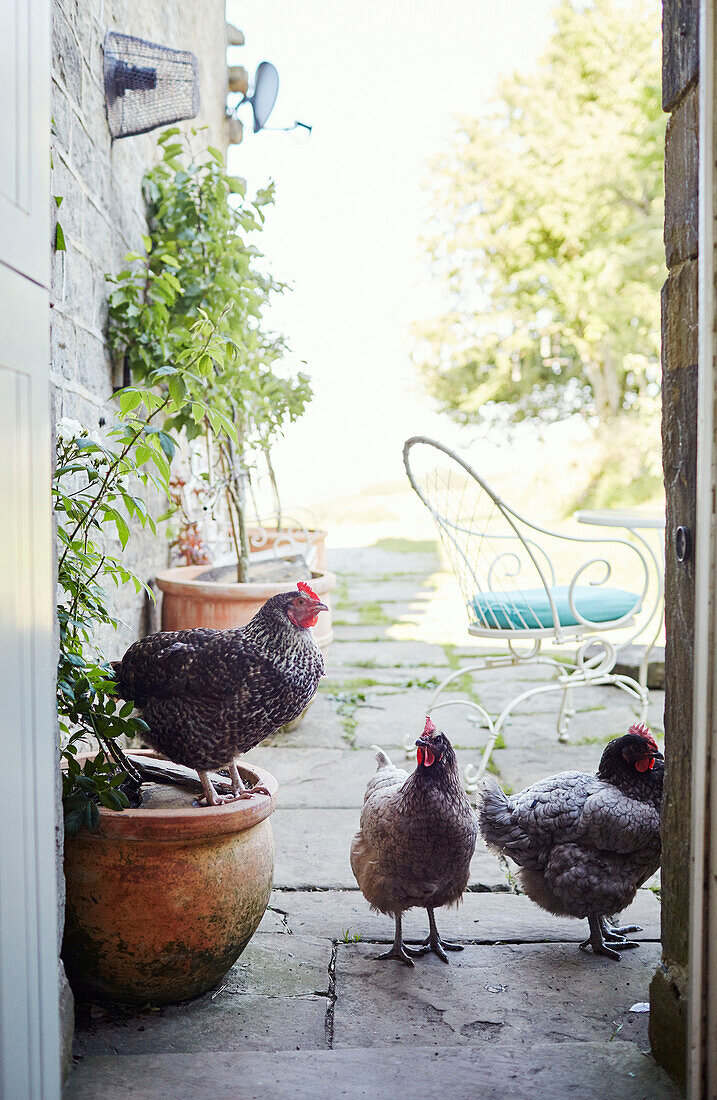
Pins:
x,y
188,602
161,902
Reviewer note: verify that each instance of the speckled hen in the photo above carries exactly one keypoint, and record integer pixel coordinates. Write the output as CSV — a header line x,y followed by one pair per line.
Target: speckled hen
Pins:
x,y
208,695
585,843
415,841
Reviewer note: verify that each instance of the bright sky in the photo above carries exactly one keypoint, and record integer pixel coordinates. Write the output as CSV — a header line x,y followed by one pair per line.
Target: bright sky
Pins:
x,y
380,82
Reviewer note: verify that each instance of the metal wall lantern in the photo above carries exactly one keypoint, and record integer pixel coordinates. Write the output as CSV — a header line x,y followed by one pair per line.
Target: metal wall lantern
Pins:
x,y
147,85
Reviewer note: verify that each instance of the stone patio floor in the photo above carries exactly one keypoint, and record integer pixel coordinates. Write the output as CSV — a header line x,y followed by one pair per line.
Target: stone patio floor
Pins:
x,y
307,1011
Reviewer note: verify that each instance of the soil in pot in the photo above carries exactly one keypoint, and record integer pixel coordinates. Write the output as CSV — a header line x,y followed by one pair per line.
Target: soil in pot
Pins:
x,y
162,900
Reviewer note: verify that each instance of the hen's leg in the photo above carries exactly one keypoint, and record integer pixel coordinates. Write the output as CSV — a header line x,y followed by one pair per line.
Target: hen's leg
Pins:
x,y
238,788
433,941
398,951
599,943
210,794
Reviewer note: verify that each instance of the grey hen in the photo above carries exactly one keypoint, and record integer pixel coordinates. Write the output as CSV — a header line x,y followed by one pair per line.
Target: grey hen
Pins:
x,y
416,840
585,843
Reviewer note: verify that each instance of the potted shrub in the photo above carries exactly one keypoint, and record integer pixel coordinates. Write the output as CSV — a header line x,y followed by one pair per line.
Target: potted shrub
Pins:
x,y
144,921
162,900
198,268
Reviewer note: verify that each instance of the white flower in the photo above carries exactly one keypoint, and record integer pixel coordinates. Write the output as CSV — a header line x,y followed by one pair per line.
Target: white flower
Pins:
x,y
68,429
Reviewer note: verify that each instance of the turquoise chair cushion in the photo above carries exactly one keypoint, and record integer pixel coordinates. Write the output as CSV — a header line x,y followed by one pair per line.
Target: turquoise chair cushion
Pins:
x,y
530,609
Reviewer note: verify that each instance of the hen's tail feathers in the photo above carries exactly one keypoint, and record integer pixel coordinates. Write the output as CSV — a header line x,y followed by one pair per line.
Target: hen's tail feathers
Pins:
x,y
494,812
117,669
381,759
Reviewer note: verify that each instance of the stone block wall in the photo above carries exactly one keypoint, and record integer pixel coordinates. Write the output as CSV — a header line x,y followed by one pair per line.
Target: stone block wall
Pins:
x,y
668,991
102,213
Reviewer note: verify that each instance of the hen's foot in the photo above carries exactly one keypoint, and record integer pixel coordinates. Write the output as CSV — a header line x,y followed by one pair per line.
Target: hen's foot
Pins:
x,y
433,941
398,951
437,945
259,789
606,941
215,800
615,934
238,788
211,796
599,947
618,932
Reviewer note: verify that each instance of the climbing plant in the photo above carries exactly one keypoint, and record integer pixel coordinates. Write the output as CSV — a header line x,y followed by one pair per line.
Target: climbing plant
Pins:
x,y
199,260
97,491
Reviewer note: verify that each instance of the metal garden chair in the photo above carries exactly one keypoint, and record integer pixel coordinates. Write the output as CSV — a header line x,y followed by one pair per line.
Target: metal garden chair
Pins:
x,y
525,587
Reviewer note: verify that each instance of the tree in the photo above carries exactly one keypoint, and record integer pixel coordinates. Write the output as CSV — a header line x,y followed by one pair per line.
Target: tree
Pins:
x,y
546,233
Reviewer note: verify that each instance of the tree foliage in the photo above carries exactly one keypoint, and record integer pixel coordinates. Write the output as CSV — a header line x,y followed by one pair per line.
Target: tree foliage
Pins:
x,y
546,233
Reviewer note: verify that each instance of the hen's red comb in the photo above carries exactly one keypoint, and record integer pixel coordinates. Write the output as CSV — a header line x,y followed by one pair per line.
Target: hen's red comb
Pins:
x,y
307,590
643,731
429,727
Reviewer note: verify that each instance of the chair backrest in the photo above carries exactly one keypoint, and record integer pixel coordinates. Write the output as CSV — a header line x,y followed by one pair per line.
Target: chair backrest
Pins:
x,y
496,554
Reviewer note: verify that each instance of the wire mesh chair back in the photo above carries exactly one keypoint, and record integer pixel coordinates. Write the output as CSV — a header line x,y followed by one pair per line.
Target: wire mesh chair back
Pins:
x,y
501,560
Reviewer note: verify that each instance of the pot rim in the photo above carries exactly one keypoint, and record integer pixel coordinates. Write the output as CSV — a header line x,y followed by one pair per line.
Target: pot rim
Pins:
x,y
183,577
191,822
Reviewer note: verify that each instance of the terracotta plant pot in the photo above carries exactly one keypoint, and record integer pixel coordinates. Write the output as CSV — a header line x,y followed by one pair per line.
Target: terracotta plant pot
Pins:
x,y
188,601
290,538
161,902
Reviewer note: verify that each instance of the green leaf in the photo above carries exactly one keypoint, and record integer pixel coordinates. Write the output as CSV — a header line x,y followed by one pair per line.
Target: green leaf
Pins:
x,y
129,400
59,238
122,530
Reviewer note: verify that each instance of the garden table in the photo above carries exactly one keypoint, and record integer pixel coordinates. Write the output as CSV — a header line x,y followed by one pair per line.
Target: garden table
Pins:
x,y
638,523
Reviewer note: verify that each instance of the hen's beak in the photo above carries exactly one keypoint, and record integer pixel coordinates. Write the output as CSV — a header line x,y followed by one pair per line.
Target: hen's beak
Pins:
x,y
317,606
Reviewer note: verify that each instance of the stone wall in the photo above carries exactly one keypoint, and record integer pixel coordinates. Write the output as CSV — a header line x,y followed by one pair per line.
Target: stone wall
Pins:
x,y
679,396
102,214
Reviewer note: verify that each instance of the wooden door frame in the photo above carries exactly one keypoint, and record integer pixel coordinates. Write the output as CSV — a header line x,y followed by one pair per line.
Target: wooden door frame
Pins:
x,y
702,984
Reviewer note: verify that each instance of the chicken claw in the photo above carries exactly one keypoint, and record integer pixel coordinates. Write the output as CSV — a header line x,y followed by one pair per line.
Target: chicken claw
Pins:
x,y
614,931
608,942
433,942
238,788
211,796
398,950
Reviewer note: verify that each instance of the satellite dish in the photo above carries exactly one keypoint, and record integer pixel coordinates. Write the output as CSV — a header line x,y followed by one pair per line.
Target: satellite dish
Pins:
x,y
266,89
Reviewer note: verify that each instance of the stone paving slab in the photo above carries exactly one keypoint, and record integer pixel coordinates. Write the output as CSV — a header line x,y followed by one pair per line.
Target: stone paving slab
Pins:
x,y
388,653
315,853
482,917
372,562
585,1071
516,993
318,777
348,618
275,995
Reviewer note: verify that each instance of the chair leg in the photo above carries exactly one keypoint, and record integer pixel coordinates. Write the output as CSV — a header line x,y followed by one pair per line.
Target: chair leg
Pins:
x,y
566,712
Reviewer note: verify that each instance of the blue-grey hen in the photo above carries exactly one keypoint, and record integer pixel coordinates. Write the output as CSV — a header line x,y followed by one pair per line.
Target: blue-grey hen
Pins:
x,y
208,695
585,843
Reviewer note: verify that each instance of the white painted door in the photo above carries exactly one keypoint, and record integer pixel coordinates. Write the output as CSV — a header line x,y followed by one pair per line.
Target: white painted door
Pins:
x,y
29,1018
